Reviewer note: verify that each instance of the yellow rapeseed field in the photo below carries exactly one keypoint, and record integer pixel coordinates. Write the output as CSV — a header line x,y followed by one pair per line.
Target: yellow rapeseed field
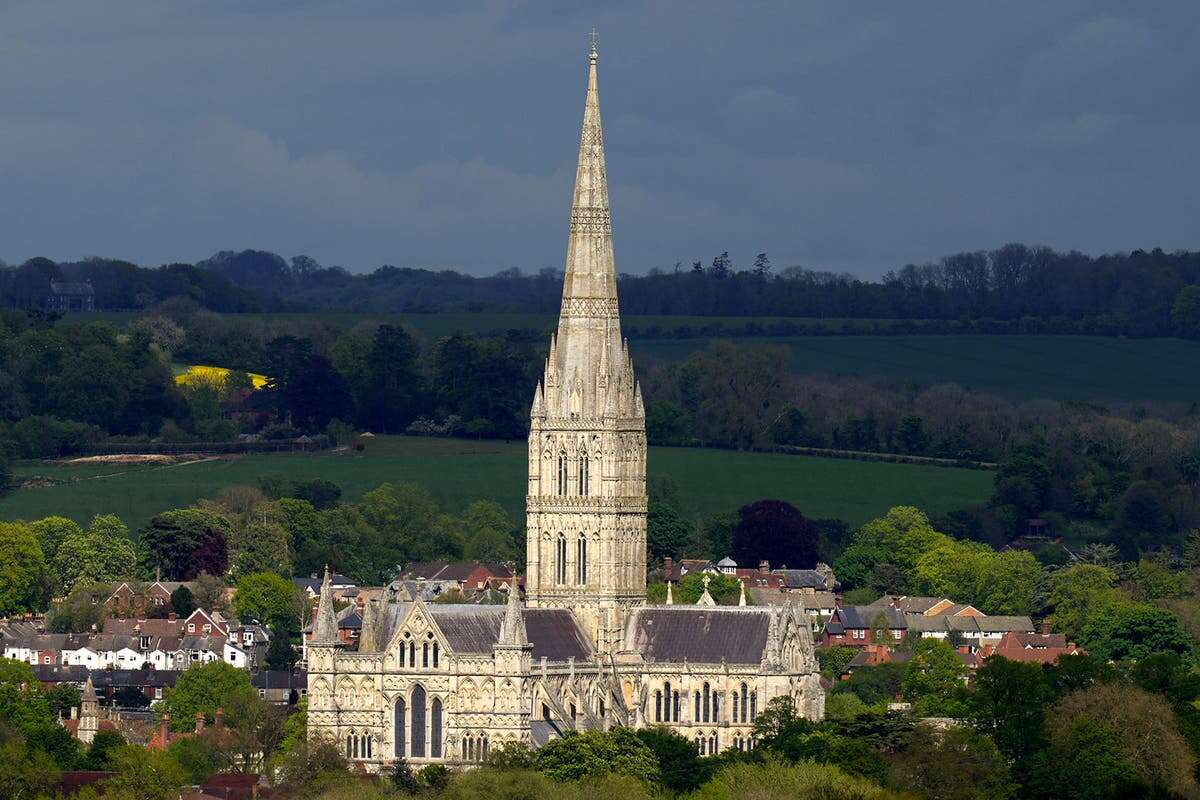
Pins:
x,y
215,376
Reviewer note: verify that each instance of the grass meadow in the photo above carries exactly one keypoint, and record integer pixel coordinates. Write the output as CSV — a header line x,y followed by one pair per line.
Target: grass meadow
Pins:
x,y
461,471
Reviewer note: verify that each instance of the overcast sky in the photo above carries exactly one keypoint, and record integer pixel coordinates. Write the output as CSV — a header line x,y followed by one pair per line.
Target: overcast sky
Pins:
x,y
844,136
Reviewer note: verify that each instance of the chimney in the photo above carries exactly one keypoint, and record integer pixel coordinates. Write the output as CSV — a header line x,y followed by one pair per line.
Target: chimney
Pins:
x,y
164,723
668,564
1045,628
764,566
74,712
220,712
171,615
199,722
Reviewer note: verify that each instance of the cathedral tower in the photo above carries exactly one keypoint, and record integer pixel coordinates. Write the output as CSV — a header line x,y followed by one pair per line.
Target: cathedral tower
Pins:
x,y
586,503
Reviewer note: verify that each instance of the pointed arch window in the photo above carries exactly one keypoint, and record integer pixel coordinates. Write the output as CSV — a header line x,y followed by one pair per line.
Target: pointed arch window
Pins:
x,y
745,704
398,727
412,654
583,474
581,559
562,472
417,730
435,728
658,706
560,560
753,706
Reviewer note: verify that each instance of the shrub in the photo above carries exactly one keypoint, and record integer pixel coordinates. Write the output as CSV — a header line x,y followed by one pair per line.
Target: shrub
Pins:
x,y
776,779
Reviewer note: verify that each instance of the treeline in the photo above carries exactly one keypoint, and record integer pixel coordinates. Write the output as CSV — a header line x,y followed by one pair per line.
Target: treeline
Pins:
x,y
120,285
1138,293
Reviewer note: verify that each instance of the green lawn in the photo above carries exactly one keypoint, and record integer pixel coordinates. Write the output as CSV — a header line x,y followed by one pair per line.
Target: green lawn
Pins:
x,y
459,471
1093,368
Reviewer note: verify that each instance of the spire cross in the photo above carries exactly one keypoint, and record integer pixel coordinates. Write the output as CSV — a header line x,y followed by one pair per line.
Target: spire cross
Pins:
x,y
593,37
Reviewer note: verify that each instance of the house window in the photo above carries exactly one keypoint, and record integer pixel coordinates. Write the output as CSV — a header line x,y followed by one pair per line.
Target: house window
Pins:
x,y
158,693
191,627
581,560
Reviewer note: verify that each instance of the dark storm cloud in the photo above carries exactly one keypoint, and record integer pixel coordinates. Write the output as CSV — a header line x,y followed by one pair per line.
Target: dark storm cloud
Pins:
x,y
838,136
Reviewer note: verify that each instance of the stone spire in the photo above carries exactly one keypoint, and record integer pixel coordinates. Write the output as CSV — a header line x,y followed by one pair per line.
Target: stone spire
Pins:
x,y
742,597
512,629
367,633
589,374
325,629
670,597
89,713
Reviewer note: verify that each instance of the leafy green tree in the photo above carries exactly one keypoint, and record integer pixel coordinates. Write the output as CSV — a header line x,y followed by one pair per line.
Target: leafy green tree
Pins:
x,y
668,423
1142,520
83,608
321,493
101,554
679,765
595,753
954,764
270,598
262,546
280,654
996,583
904,534
1135,631
911,436
1138,719
101,748
775,531
1008,703
403,513
1085,761
833,660
488,532
142,774
183,603
874,685
774,778
393,394
856,566
667,532
209,592
25,772
1078,593
1185,312
197,756
935,679
185,542
23,574
52,532
61,698
202,689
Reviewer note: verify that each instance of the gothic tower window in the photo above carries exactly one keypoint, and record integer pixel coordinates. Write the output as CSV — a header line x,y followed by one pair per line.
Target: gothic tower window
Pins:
x,y
753,706
560,560
412,654
399,724
707,703
425,654
745,704
581,560
417,731
562,473
435,655
583,474
658,706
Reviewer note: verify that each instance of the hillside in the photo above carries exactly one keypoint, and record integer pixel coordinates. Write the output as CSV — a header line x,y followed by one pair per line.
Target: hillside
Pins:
x,y
461,471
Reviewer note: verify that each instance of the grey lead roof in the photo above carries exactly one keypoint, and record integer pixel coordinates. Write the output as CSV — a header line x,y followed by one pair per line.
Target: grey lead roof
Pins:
x,y
471,628
699,635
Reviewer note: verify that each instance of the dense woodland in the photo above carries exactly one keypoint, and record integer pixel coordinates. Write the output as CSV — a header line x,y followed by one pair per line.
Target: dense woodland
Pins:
x,y
1131,293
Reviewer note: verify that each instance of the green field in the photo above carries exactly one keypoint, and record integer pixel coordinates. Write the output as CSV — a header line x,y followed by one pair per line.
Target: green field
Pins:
x,y
459,471
1093,368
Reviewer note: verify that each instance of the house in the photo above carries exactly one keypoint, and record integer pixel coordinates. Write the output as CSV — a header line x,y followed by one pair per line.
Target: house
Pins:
x,y
465,576
71,296
974,632
280,687
873,655
855,626
107,682
928,606
818,605
1032,648
312,585
39,648
674,571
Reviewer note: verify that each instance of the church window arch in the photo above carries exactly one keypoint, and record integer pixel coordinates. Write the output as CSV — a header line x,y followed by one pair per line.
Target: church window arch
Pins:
x,y
700,741
675,705
370,745
435,728
733,708
713,748
412,654
560,560
581,559
697,718
350,745
583,473
399,728
425,654
417,727
562,472
658,705
435,655
707,703
753,706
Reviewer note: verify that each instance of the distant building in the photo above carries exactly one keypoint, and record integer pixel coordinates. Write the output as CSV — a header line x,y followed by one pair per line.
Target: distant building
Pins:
x,y
79,296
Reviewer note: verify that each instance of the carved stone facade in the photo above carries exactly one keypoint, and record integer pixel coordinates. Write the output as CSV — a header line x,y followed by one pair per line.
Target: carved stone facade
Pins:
x,y
449,683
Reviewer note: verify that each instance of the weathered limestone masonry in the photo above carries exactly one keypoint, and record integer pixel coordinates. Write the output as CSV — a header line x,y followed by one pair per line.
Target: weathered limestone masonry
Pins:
x,y
448,683
586,504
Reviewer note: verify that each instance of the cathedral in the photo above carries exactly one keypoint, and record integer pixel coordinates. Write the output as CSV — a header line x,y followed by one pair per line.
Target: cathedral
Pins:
x,y
444,683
